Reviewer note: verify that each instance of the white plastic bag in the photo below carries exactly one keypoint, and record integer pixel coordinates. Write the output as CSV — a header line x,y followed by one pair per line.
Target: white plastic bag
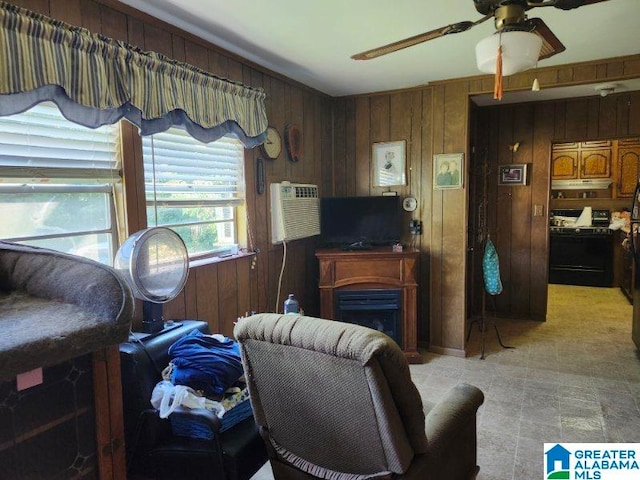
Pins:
x,y
166,397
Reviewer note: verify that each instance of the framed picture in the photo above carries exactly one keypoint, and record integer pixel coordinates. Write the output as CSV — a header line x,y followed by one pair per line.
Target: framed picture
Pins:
x,y
448,169
512,174
389,163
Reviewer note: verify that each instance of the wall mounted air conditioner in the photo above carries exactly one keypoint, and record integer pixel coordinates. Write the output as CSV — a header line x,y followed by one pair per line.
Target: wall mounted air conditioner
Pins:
x,y
295,211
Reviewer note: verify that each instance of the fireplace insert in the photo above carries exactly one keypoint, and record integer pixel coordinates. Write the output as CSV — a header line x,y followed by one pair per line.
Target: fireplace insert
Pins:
x,y
377,309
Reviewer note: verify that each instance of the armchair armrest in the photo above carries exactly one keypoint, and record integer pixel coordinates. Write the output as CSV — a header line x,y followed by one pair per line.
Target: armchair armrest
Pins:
x,y
451,415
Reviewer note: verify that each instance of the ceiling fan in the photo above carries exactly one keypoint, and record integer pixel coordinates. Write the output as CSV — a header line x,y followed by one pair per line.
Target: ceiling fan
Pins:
x,y
509,15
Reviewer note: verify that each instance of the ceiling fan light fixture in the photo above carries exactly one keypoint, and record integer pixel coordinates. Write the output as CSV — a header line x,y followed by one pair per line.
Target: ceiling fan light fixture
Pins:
x,y
520,51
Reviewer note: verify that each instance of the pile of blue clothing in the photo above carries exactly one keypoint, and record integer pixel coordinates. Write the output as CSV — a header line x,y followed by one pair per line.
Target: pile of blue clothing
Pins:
x,y
212,365
208,363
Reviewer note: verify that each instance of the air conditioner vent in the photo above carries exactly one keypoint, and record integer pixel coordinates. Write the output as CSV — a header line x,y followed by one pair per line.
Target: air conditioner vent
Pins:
x,y
295,211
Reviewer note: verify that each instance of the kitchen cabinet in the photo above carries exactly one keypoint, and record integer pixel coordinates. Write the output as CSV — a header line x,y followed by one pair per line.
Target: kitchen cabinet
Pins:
x,y
627,166
589,159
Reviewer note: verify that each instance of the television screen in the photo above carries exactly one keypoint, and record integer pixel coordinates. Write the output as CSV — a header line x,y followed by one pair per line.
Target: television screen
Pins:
x,y
360,221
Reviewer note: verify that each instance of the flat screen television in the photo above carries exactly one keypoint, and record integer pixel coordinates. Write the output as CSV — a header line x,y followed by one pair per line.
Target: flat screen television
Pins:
x,y
360,222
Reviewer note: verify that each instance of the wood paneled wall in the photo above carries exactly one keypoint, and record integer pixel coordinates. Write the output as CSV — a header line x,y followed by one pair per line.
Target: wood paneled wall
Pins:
x,y
337,140
436,119
520,237
220,292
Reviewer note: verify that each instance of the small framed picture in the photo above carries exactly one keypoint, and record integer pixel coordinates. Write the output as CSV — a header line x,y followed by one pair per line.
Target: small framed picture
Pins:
x,y
512,174
389,163
448,170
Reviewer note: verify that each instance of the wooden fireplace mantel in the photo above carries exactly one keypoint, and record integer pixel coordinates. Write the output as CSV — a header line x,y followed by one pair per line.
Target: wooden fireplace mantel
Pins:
x,y
378,268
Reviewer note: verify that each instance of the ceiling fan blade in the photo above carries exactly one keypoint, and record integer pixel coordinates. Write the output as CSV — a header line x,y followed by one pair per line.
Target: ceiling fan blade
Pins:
x,y
416,39
571,4
551,45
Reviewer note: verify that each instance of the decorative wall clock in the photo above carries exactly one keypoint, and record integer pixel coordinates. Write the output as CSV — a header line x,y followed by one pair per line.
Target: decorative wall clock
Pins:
x,y
272,145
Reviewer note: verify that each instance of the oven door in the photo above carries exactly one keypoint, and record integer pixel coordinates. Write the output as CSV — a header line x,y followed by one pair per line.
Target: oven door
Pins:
x,y
581,259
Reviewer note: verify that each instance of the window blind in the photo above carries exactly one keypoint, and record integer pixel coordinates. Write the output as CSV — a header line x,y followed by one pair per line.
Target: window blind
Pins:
x,y
41,143
179,169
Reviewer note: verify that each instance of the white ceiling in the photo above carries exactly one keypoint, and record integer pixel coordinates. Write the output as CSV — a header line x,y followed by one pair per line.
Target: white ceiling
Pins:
x,y
312,41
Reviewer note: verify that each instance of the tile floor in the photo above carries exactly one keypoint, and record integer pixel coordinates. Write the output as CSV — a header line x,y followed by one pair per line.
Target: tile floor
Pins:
x,y
573,378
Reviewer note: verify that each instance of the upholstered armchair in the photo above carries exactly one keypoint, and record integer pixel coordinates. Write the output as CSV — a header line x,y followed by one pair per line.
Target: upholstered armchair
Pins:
x,y
336,401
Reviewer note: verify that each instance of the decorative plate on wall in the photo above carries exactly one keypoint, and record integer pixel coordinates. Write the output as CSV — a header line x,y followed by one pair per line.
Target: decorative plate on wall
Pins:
x,y
293,142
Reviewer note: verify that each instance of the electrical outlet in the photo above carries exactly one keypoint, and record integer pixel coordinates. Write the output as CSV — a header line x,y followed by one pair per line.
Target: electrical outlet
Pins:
x,y
415,227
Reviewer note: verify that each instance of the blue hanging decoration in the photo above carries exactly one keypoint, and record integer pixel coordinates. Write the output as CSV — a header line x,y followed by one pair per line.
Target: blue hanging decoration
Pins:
x,y
491,269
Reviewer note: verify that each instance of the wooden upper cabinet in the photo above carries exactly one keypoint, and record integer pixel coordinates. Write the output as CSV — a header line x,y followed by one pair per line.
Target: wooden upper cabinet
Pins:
x,y
576,160
628,165
564,164
595,163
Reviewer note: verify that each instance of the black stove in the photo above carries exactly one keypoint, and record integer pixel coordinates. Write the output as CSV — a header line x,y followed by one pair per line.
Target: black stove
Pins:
x,y
580,255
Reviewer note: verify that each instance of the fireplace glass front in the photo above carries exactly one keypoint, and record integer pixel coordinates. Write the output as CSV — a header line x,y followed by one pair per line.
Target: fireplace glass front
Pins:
x,y
377,309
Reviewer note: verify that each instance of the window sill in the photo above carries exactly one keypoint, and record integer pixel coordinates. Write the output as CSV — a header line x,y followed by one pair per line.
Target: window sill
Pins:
x,y
198,262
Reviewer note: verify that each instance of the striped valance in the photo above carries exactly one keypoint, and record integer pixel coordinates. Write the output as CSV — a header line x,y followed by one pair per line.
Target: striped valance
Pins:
x,y
96,80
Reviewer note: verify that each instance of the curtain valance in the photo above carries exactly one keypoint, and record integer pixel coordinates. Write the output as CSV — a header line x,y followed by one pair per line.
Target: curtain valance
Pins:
x,y
96,80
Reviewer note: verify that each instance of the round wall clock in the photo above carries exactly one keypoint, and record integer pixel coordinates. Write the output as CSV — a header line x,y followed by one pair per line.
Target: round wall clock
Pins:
x,y
272,145
293,142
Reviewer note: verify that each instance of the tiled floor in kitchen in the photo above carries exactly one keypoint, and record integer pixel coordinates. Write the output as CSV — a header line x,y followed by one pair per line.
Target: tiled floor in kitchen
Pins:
x,y
573,378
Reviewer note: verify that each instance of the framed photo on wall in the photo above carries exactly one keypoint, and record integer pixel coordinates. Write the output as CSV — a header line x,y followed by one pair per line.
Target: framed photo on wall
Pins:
x,y
389,164
513,174
448,170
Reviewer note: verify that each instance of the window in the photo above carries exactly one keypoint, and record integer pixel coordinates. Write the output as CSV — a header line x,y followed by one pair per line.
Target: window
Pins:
x,y
56,183
195,188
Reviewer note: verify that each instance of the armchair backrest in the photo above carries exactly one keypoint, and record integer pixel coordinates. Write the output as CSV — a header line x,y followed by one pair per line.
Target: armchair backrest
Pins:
x,y
335,399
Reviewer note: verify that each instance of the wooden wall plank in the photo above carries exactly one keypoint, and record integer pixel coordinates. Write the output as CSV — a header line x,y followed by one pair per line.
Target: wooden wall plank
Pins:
x,y
608,117
576,119
38,6
593,117
363,141
191,296
622,118
400,119
543,130
68,11
114,23
504,198
196,55
634,112
436,320
243,286
379,125
157,40
228,296
348,187
425,207
312,153
521,215
207,289
90,14
218,64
